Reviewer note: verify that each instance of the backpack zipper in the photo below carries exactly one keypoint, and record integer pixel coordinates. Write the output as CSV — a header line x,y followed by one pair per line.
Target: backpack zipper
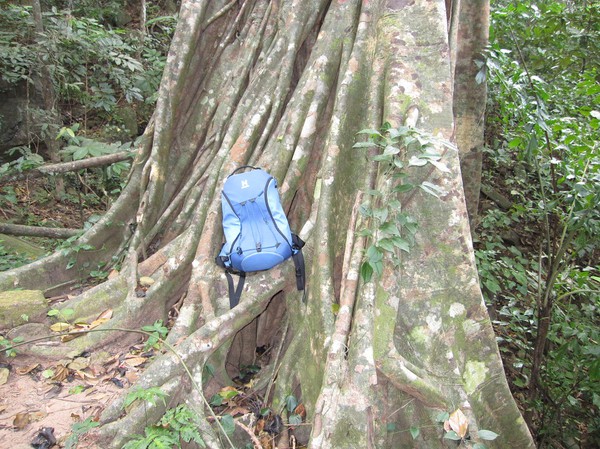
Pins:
x,y
271,214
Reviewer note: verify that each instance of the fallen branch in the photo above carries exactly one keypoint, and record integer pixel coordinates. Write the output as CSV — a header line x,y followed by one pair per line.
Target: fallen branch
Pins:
x,y
502,202
64,167
37,231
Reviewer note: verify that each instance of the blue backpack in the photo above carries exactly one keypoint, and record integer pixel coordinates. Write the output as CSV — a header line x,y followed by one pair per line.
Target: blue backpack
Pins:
x,y
257,232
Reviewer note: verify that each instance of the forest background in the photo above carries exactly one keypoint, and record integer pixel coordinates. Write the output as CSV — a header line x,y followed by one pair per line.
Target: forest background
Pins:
x,y
535,231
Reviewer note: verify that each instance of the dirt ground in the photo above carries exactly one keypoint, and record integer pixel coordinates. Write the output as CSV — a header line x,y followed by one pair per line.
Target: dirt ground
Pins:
x,y
39,403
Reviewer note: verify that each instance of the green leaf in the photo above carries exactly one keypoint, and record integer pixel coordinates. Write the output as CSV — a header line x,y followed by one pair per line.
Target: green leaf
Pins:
x,y
291,403
416,162
398,163
402,244
295,420
532,147
442,417
365,211
371,132
209,370
229,394
452,435
381,214
487,435
389,228
382,158
366,272
515,142
374,254
386,244
414,432
80,153
404,188
364,145
216,400
377,267
441,167
228,424
432,189
390,149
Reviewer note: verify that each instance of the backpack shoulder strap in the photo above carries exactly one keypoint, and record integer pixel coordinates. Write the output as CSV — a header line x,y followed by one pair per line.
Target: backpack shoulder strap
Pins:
x,y
234,292
298,257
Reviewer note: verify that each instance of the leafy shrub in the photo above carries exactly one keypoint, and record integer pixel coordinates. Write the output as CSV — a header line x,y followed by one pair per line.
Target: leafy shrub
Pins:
x,y
542,136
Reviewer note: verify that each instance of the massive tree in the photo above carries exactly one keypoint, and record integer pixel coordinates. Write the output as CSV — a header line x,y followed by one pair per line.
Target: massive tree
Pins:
x,y
286,85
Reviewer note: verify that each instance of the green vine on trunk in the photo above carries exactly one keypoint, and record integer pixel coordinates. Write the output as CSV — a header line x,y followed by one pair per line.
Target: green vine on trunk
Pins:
x,y
390,229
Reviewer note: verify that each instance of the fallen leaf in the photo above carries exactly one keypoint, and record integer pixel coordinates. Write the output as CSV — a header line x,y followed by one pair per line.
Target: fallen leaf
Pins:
x,y
53,391
2,408
459,423
135,361
102,318
83,375
70,337
60,327
4,373
301,411
106,315
60,373
96,370
113,274
146,281
79,363
266,440
132,377
37,416
238,411
21,420
26,369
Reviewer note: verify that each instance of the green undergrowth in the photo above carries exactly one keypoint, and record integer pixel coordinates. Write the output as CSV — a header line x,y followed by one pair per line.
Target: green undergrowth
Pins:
x,y
538,257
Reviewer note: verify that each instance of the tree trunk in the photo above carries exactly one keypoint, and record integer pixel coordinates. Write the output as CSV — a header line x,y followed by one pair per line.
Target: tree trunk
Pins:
x,y
49,98
286,85
469,32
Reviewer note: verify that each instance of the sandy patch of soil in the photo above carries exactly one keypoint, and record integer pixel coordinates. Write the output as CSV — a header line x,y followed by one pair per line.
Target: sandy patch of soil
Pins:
x,y
39,396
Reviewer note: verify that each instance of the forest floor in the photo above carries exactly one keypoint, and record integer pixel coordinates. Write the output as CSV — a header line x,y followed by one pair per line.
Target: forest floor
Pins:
x,y
40,400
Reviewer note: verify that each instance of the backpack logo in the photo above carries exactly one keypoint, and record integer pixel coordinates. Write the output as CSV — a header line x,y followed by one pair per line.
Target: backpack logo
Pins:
x,y
245,184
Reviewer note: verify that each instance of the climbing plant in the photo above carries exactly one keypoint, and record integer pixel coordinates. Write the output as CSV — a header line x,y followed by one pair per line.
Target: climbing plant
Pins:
x,y
390,228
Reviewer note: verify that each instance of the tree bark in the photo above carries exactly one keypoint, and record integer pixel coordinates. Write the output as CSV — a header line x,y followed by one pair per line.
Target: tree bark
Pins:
x,y
286,85
469,32
49,98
